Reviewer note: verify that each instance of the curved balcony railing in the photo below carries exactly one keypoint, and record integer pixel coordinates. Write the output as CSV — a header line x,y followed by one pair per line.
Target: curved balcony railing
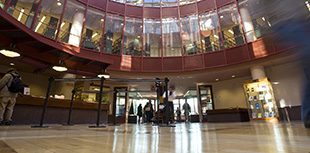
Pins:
x,y
187,36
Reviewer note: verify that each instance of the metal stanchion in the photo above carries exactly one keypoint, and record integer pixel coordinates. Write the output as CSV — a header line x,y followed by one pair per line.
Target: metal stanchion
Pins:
x,y
71,107
166,91
50,81
287,115
99,106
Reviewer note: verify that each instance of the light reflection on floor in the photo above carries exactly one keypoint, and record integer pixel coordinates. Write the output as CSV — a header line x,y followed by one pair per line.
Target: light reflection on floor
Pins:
x,y
256,137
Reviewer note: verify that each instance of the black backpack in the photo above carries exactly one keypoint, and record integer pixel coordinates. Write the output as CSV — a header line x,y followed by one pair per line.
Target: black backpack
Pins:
x,y
16,85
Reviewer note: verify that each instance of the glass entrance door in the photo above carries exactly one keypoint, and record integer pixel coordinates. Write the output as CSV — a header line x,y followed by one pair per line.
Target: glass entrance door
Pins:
x,y
205,97
120,103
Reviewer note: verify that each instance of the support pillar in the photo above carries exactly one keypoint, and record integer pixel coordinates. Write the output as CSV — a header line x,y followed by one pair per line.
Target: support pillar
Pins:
x,y
76,29
247,24
258,72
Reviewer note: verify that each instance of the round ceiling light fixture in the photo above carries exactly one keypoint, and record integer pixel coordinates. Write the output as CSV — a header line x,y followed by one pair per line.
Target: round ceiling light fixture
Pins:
x,y
104,74
9,53
60,67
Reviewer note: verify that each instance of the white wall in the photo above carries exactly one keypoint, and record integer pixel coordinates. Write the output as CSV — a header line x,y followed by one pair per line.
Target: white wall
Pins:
x,y
291,79
230,93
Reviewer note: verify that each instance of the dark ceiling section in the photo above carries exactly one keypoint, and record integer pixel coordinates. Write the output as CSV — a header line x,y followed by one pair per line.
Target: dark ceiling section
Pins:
x,y
41,56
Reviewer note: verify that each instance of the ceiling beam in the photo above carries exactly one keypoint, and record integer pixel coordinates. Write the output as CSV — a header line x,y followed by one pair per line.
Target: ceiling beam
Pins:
x,y
8,29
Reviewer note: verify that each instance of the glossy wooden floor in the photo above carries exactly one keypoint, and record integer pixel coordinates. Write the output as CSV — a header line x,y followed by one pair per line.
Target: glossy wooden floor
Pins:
x,y
254,137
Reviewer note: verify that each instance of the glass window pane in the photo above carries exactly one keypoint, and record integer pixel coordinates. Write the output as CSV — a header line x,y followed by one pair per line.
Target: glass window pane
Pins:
x,y
2,2
152,37
152,3
48,17
23,10
113,34
190,35
256,21
209,28
169,2
93,28
183,2
231,30
133,37
171,37
120,1
72,24
135,2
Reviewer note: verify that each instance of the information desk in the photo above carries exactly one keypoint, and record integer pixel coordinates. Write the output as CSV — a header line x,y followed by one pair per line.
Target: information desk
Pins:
x,y
228,115
28,110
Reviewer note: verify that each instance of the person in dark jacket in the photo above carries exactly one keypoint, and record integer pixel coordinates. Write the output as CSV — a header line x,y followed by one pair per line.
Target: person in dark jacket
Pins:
x,y
139,114
7,98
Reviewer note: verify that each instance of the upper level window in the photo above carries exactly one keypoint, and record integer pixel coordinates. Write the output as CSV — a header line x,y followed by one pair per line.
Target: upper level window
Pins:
x,y
152,3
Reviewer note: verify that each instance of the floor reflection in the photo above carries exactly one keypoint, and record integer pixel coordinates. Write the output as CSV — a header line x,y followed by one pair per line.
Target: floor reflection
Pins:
x,y
256,137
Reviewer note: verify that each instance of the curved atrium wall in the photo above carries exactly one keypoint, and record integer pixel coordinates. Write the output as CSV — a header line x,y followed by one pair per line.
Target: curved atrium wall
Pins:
x,y
149,28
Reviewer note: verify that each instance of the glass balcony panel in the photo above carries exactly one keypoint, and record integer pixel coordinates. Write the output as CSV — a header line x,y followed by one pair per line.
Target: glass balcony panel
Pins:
x,y
2,3
190,35
119,1
152,3
230,25
184,2
135,2
23,11
48,18
171,37
169,2
113,34
209,28
93,29
72,25
256,21
152,37
133,37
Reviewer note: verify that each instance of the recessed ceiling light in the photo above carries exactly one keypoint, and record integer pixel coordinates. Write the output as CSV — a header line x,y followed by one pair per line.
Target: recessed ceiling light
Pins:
x,y
12,64
233,76
275,83
59,3
83,77
102,20
221,16
9,53
217,79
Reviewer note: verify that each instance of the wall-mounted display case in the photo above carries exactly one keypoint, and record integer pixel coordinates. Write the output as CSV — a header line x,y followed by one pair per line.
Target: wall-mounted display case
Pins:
x,y
260,99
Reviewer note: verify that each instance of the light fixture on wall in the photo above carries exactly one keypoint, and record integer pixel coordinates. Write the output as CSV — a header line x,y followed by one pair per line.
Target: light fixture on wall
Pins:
x,y
104,74
60,67
9,51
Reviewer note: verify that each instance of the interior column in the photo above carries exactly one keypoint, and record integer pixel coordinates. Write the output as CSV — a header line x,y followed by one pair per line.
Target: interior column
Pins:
x,y
76,29
258,72
247,24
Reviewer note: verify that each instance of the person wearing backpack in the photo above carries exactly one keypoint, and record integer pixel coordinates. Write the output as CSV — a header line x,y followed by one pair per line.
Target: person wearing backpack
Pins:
x,y
10,86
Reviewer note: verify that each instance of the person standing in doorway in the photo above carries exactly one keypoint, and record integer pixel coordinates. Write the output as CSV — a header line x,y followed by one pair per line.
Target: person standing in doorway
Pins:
x,y
10,86
187,110
139,113
178,114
